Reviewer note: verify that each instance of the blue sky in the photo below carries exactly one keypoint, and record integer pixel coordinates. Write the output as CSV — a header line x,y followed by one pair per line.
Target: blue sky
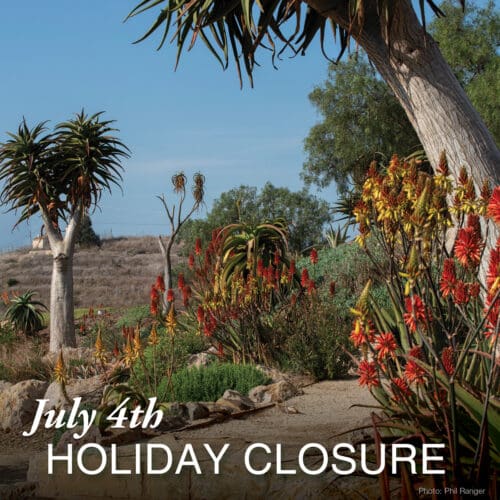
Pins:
x,y
60,56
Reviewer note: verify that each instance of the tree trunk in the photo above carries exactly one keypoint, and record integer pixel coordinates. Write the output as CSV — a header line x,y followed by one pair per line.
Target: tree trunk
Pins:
x,y
62,319
62,315
411,63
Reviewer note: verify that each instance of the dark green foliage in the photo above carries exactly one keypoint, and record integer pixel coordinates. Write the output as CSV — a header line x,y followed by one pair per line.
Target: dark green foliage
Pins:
x,y
361,121
87,237
12,282
156,360
469,42
25,314
209,383
133,316
319,329
305,214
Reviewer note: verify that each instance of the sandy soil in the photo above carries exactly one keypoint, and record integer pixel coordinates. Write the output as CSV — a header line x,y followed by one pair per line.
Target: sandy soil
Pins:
x,y
324,410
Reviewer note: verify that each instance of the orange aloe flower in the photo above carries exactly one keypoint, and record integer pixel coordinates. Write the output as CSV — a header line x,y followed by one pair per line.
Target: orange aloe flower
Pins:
x,y
468,247
448,278
358,336
304,278
368,376
170,295
197,246
385,344
494,205
415,312
314,256
447,359
401,387
160,284
414,373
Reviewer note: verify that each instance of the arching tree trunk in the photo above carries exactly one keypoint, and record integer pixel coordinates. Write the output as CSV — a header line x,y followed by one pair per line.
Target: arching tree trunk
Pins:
x,y
411,63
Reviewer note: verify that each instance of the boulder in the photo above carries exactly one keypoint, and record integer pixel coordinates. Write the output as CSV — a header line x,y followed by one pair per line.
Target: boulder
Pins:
x,y
201,359
175,410
197,411
235,401
79,353
93,435
274,393
170,423
18,403
89,389
4,385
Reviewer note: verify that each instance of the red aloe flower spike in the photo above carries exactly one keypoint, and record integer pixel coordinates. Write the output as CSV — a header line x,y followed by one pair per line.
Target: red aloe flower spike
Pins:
x,y
368,376
414,373
180,281
191,261
314,256
160,284
447,359
304,279
170,295
197,246
494,205
385,345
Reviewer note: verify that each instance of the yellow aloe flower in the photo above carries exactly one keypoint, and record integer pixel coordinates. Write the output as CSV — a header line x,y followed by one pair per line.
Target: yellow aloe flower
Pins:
x,y
60,374
171,322
153,336
99,350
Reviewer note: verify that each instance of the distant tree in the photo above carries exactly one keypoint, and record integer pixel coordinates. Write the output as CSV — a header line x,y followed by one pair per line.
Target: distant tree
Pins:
x,y
176,220
87,237
305,214
361,119
60,175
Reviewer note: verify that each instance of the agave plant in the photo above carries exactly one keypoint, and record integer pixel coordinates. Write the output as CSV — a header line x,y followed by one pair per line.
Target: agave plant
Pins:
x,y
25,314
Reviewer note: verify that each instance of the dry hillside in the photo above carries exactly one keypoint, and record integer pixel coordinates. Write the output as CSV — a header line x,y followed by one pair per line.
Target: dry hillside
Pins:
x,y
119,274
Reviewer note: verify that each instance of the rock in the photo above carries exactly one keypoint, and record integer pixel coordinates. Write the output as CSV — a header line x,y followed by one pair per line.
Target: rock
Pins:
x,y
274,374
121,436
170,423
4,385
235,401
79,353
18,403
93,435
197,411
201,359
277,392
89,389
175,410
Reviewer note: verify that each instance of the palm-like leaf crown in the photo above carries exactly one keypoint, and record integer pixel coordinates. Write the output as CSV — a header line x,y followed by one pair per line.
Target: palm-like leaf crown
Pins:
x,y
239,27
59,171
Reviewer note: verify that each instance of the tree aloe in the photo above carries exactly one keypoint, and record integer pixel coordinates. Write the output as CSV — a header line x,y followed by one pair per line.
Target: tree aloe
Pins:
x,y
60,175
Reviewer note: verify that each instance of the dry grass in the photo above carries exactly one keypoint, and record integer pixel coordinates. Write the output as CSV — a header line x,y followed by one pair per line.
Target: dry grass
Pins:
x,y
119,274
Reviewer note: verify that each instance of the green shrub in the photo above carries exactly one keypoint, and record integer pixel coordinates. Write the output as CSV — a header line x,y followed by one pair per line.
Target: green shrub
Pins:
x,y
209,383
134,316
12,282
148,371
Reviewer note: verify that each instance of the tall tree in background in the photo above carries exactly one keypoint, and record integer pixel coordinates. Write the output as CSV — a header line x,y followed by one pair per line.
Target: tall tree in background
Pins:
x,y
391,34
305,214
60,175
361,120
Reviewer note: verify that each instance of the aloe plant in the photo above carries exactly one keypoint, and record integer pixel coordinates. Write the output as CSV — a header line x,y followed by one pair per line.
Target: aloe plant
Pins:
x,y
26,314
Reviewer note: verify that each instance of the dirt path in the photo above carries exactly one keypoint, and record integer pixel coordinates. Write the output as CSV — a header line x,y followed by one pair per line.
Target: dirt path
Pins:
x,y
325,409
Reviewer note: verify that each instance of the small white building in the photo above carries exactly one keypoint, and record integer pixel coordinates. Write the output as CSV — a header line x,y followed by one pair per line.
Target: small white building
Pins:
x,y
40,243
